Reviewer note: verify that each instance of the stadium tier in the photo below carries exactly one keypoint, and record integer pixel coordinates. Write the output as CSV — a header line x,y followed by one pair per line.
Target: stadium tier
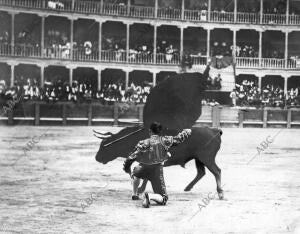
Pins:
x,y
133,42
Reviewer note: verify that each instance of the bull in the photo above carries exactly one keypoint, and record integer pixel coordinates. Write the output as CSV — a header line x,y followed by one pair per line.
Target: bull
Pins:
x,y
202,146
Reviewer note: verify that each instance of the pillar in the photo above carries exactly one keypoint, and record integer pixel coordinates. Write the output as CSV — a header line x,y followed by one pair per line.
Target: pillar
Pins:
x,y
100,40
260,48
234,44
43,36
181,41
42,75
285,85
128,7
12,75
182,9
208,10
12,33
99,79
286,50
235,10
101,6
154,78
126,79
155,9
71,37
70,75
261,11
259,82
127,40
208,44
73,4
155,43
287,11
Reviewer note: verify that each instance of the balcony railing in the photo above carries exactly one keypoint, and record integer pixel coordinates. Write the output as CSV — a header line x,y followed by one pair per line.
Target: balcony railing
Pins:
x,y
170,59
195,15
113,56
169,13
142,12
274,19
273,63
94,7
140,58
114,9
247,18
245,62
217,16
294,19
92,55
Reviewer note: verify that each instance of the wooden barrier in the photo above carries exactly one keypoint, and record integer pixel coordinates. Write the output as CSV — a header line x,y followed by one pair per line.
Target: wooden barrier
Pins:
x,y
38,113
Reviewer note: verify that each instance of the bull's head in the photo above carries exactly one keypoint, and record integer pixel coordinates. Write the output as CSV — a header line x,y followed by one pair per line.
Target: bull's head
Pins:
x,y
120,144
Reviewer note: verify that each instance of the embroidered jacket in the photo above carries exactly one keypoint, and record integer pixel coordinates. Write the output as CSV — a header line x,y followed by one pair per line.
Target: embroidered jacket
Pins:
x,y
154,150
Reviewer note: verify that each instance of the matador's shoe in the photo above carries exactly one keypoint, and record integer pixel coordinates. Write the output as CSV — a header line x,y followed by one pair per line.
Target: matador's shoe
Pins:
x,y
146,201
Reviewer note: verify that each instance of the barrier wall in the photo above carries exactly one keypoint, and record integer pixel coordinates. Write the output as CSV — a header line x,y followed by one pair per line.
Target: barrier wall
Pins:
x,y
39,113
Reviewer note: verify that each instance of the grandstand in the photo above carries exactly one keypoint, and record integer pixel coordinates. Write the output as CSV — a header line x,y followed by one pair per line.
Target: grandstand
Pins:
x,y
138,43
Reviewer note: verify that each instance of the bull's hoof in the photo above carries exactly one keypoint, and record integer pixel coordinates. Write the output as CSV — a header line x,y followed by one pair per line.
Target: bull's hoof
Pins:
x,y
221,195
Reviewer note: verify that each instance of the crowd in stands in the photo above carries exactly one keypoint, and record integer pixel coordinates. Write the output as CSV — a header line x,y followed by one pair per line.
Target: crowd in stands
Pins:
x,y
221,49
77,92
244,50
214,83
248,94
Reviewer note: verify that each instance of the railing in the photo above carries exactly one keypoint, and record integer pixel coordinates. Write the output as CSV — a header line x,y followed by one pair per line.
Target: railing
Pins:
x,y
85,55
245,62
171,59
292,64
168,13
113,56
217,16
247,18
142,12
88,6
195,15
274,19
57,53
140,58
114,9
294,19
199,60
273,63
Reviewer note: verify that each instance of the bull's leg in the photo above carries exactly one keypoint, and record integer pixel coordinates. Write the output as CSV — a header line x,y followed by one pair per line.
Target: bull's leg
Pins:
x,y
142,188
216,171
200,173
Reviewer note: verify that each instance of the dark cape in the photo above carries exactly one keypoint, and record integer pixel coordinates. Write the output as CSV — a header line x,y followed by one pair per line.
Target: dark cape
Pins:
x,y
176,101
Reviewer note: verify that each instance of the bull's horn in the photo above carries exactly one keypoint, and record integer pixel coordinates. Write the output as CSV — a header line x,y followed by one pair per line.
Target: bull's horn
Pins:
x,y
101,137
103,133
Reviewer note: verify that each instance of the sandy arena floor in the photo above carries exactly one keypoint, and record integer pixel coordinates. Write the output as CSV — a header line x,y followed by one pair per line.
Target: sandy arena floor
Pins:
x,y
43,191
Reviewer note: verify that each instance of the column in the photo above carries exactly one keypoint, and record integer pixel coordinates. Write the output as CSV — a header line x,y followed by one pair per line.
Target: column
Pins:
x,y
155,43
154,78
182,9
12,75
128,7
99,79
287,11
101,6
42,75
155,9
261,11
286,50
260,48
208,10
70,75
234,44
127,40
43,36
100,40
181,41
285,85
126,79
73,4
235,10
259,82
208,44
12,33
71,37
